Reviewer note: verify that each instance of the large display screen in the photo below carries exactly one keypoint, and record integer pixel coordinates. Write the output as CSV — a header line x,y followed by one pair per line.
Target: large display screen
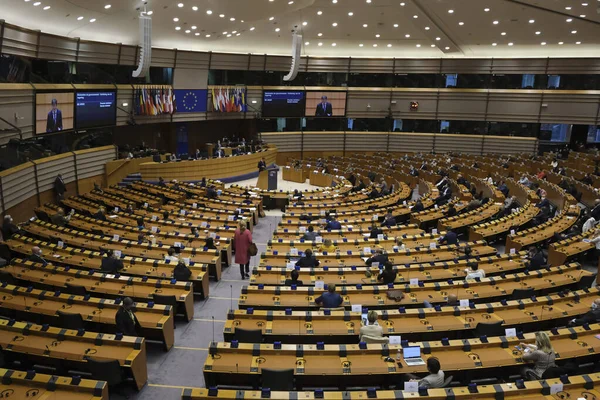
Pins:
x,y
593,135
282,103
325,104
53,112
95,109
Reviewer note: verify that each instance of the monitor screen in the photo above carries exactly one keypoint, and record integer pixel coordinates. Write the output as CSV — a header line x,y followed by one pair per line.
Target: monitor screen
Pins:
x,y
593,135
95,109
53,112
325,104
283,103
412,352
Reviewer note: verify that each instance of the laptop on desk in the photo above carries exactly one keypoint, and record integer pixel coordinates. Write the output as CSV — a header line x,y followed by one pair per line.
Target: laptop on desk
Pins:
x,y
412,356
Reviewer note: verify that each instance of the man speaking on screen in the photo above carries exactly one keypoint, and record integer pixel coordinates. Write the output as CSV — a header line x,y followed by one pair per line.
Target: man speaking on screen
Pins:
x,y
324,108
54,122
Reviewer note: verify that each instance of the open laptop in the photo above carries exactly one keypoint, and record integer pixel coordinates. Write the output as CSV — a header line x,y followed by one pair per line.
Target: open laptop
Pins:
x,y
412,356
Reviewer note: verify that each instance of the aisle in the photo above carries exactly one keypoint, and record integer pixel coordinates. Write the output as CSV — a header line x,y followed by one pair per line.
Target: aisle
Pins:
x,y
182,366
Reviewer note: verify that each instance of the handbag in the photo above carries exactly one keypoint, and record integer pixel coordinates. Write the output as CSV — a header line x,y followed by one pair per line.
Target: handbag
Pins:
x,y
252,249
395,295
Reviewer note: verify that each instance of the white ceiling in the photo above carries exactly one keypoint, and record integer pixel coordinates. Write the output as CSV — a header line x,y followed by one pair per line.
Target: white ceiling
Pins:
x,y
401,35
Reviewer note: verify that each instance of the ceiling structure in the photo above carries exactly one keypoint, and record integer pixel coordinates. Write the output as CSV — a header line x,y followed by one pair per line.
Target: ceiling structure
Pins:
x,y
331,28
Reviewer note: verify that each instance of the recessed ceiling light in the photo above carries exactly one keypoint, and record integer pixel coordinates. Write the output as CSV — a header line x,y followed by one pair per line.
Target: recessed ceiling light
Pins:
x,y
569,19
447,48
433,45
319,12
93,20
225,33
567,8
510,43
369,1
180,5
271,18
418,45
503,33
197,33
319,34
195,8
37,3
584,4
334,24
306,43
334,44
561,43
375,45
427,28
450,11
221,15
209,12
494,44
187,31
291,2
47,8
402,4
396,25
176,19
252,28
177,28
232,19
407,36
194,27
496,22
277,29
361,45
538,33
531,21
107,6
415,16
577,42
150,12
207,35
461,23
238,34
304,23
319,44
486,9
365,25
543,43
582,16
350,14
438,38
334,1
389,45
378,35
79,18
573,32
229,35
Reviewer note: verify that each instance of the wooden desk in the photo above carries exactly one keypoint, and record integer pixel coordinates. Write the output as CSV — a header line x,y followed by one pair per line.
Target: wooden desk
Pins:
x,y
344,365
67,348
350,233
580,386
294,326
156,322
550,280
320,179
36,386
293,174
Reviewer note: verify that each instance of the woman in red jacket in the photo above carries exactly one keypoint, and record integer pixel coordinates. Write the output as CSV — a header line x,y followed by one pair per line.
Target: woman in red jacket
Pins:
x,y
242,240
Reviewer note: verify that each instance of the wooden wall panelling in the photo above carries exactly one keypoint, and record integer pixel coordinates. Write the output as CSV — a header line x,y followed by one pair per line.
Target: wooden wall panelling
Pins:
x,y
163,58
573,66
19,41
278,63
514,106
322,64
54,47
508,66
466,65
509,144
228,61
285,141
427,99
371,65
115,171
18,183
458,143
319,141
128,55
404,142
360,98
98,53
90,162
417,66
48,168
570,106
367,141
192,60
461,104
16,99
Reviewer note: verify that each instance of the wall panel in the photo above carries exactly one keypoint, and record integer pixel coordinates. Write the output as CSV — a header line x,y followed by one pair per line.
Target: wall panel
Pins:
x,y
57,48
466,66
509,145
98,53
16,100
228,61
193,60
318,64
514,106
411,142
570,107
48,168
91,162
366,141
472,144
427,99
285,141
462,104
163,58
19,41
519,65
319,141
371,65
368,103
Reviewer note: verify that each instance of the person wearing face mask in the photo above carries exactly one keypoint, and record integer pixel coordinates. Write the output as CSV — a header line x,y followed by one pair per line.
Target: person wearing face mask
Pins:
x,y
125,319
589,317
36,256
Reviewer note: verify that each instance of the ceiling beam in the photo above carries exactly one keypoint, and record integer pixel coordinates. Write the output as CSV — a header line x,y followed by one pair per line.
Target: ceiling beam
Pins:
x,y
439,26
540,8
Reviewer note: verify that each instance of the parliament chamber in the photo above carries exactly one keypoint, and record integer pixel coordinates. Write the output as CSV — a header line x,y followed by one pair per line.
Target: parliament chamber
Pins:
x,y
404,203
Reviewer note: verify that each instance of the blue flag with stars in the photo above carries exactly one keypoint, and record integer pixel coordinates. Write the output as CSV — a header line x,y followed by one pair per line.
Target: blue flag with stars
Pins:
x,y
191,100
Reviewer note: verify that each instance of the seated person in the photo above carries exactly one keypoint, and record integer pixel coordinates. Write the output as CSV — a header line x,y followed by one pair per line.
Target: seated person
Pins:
x,y
307,260
536,259
372,328
161,182
293,279
329,299
171,256
140,223
129,209
142,238
111,264
211,192
327,246
590,317
451,211
388,275
452,301
468,253
9,228
209,244
389,219
36,256
418,207
297,194
472,271
100,214
182,272
60,219
399,245
333,224
379,257
166,216
310,234
450,238
436,376
375,231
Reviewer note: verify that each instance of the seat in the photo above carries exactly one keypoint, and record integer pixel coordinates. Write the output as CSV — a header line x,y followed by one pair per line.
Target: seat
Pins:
x,y
5,252
167,301
75,289
586,282
248,335
277,379
69,320
518,294
109,371
447,381
553,373
489,329
8,278
42,215
375,339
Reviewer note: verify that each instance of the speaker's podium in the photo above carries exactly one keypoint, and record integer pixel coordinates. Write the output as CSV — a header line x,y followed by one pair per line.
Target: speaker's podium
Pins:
x,y
267,179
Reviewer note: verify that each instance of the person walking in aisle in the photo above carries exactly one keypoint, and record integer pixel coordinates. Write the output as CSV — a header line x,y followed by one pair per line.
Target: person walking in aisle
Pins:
x,y
242,241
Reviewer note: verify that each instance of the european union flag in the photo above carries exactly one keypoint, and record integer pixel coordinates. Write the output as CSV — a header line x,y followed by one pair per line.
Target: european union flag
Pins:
x,y
191,100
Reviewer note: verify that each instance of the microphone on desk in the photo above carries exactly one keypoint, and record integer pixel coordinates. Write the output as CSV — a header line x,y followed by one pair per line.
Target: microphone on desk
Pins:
x,y
48,348
237,369
231,297
213,326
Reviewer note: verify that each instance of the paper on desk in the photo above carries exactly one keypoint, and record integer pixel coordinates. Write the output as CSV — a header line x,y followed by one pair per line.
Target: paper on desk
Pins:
x,y
112,216
395,339
411,387
464,303
357,308
510,332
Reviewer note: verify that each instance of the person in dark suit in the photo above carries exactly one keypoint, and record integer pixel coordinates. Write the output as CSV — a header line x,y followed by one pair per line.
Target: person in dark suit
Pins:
x,y
536,259
449,238
589,317
324,108
36,256
60,219
262,165
181,272
418,207
111,264
333,224
379,257
59,187
126,321
209,244
388,275
375,231
54,122
293,279
9,228
99,215
308,260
